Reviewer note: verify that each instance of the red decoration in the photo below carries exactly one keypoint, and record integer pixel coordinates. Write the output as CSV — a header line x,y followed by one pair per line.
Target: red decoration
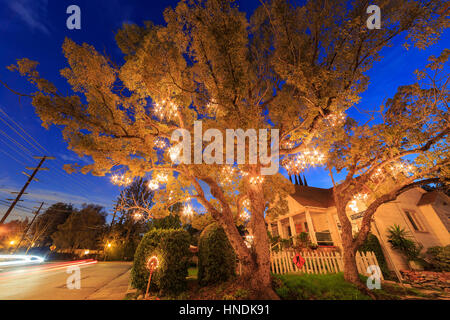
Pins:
x,y
298,260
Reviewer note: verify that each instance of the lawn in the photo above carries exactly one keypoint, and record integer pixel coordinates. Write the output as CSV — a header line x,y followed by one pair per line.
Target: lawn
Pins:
x,y
294,287
316,287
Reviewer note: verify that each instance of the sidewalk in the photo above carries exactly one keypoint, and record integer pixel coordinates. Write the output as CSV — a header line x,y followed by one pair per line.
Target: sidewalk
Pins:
x,y
114,290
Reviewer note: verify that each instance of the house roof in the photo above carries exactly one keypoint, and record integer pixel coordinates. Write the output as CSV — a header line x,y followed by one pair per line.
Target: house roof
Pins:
x,y
313,197
428,198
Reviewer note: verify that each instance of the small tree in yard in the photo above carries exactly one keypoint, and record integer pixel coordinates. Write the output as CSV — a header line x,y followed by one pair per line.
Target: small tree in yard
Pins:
x,y
410,148
295,68
132,209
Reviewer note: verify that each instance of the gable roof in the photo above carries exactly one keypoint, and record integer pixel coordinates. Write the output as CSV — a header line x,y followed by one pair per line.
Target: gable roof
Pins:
x,y
427,198
313,197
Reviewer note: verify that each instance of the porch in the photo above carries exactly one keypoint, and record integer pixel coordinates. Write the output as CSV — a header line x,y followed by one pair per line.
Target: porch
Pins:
x,y
319,224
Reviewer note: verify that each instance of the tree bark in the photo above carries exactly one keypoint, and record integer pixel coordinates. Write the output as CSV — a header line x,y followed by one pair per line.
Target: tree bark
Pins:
x,y
262,276
350,247
255,264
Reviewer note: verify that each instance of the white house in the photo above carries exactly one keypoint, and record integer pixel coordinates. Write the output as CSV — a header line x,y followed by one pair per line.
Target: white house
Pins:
x,y
426,215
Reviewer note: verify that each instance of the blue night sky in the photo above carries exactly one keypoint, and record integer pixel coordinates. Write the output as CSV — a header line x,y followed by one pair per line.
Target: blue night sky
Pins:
x,y
35,29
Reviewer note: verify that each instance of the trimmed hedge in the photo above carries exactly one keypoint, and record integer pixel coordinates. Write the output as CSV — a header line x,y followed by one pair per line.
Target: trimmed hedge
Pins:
x,y
216,257
171,246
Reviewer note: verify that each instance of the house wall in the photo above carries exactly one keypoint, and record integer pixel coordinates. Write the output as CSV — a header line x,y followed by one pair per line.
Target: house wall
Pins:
x,y
393,213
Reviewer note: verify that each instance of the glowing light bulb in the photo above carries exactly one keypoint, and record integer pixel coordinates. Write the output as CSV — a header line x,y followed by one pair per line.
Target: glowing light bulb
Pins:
x,y
153,185
188,211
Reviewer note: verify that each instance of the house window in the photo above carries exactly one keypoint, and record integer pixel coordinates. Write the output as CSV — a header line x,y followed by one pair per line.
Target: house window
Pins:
x,y
414,220
274,230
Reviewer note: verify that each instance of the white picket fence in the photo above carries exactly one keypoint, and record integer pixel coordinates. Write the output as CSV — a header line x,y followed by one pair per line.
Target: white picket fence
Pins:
x,y
319,262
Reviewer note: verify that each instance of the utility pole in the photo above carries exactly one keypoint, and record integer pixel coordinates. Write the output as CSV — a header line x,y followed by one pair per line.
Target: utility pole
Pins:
x,y
31,177
28,227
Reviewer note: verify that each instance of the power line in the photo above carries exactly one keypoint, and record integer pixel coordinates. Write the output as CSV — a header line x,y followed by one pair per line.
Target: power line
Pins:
x,y
29,154
18,205
80,181
17,125
15,159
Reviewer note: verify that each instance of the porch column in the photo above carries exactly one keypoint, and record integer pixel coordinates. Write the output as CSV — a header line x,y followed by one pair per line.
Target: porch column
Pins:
x,y
335,236
312,233
292,226
280,229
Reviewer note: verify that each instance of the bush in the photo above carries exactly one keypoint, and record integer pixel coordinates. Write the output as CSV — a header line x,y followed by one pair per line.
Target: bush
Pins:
x,y
400,240
171,246
216,257
372,244
439,258
316,287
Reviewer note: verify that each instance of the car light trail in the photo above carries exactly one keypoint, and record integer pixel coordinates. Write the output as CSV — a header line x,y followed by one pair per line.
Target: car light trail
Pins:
x,y
19,259
43,269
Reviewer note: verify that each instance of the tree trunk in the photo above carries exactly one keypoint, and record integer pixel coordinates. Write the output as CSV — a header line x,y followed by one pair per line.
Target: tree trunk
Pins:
x,y
351,273
350,268
261,247
255,263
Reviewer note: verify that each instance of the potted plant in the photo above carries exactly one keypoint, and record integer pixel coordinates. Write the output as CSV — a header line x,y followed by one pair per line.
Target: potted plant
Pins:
x,y
301,241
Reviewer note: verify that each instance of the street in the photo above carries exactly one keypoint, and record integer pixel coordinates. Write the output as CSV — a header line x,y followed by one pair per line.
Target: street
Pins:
x,y
48,281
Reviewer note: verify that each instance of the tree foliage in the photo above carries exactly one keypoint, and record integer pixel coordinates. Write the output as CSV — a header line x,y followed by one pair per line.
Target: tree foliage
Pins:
x,y
52,217
82,230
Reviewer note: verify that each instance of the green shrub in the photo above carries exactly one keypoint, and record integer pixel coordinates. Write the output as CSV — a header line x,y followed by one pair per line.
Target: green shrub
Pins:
x,y
216,258
439,258
316,287
171,246
400,240
372,244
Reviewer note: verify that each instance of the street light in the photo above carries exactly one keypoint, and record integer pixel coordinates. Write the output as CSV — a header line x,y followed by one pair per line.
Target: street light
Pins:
x,y
108,246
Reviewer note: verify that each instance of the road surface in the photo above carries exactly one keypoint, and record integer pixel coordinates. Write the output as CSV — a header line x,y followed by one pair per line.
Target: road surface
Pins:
x,y
98,281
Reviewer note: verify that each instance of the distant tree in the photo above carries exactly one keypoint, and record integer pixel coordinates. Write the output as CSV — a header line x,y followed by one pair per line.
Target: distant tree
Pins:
x,y
133,205
82,230
131,218
53,216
